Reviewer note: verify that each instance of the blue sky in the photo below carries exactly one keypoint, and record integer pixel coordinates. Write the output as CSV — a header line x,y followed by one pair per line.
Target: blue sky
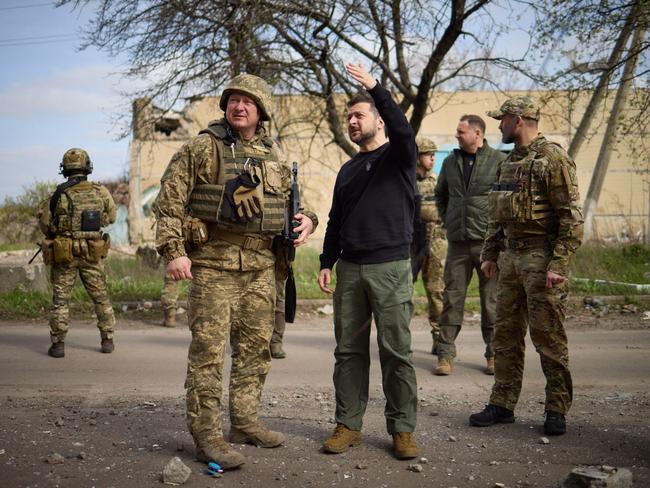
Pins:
x,y
53,97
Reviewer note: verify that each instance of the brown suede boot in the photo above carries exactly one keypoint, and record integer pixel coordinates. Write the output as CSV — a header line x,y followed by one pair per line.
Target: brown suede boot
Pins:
x,y
489,369
404,445
57,350
342,439
107,345
444,367
170,318
219,452
256,434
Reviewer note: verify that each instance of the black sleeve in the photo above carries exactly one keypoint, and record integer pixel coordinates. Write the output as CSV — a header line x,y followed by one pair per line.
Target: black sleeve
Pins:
x,y
332,243
400,132
441,191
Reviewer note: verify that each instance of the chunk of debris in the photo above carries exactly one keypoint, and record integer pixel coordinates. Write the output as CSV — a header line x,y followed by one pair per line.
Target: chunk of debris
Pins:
x,y
175,472
55,458
326,309
416,468
544,440
600,476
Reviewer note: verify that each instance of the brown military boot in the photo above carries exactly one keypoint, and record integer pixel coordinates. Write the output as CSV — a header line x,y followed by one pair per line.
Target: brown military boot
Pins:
x,y
444,367
170,318
219,452
489,369
342,439
107,345
276,351
256,434
57,350
404,445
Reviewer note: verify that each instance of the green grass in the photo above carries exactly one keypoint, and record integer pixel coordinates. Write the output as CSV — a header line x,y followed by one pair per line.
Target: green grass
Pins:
x,y
16,247
131,281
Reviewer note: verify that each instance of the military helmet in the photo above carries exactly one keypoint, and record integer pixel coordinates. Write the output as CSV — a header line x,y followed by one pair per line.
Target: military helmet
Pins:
x,y
425,145
252,86
75,160
523,106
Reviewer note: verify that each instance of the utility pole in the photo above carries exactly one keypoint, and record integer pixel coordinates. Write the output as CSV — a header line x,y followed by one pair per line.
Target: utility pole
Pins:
x,y
602,163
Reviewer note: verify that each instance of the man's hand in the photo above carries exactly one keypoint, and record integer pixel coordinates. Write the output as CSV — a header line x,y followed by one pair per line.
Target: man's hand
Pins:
x,y
361,75
553,279
179,269
324,279
305,228
489,269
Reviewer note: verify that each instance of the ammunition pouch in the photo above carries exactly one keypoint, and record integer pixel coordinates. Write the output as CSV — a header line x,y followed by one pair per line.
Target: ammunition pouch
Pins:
x,y
195,233
62,250
428,212
98,248
47,251
507,206
91,220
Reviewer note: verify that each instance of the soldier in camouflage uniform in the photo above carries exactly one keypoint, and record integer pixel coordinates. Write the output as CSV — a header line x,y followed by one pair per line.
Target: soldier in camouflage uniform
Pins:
x,y
221,203
535,227
74,244
277,352
429,240
170,290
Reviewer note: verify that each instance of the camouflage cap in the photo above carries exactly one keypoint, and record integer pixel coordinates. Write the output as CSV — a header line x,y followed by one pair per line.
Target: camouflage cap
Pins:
x,y
75,160
523,106
252,86
425,145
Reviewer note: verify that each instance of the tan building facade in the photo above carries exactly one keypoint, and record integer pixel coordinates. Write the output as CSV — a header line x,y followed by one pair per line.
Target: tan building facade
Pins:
x,y
623,205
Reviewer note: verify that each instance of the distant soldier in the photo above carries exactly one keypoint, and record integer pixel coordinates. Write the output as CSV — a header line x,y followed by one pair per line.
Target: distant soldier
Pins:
x,y
461,194
277,351
536,226
170,290
72,221
429,240
221,204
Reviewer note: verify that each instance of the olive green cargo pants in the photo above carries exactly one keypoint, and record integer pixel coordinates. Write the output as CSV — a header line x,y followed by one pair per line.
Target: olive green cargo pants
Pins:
x,y
383,291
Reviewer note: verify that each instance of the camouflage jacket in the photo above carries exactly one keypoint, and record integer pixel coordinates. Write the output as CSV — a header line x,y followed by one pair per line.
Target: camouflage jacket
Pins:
x,y
428,210
63,209
553,173
193,164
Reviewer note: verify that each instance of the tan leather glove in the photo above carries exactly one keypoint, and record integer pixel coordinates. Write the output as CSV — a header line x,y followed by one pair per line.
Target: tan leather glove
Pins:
x,y
249,202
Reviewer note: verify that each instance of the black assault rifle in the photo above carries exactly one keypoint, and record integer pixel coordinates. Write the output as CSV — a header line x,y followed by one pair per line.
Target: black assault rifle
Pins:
x,y
289,236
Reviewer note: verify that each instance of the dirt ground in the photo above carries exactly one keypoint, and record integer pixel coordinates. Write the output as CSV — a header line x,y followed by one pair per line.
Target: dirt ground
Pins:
x,y
116,420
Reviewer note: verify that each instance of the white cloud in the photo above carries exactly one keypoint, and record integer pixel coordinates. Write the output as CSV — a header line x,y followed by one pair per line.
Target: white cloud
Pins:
x,y
78,90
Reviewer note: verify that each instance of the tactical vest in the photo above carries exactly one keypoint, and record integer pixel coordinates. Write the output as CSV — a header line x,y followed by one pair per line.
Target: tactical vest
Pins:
x,y
232,158
517,196
428,209
79,216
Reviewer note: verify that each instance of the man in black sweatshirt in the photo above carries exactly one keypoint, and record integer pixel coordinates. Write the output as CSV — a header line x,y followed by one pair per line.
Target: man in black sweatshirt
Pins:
x,y
369,233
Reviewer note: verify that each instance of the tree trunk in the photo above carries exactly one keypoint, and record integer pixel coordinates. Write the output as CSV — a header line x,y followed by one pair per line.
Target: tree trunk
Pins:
x,y
601,88
609,140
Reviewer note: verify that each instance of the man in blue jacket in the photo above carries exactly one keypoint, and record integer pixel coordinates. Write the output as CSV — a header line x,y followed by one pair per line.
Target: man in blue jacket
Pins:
x,y
369,233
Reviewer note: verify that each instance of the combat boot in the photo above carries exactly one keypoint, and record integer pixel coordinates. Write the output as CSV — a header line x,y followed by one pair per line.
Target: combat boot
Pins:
x,y
444,367
555,423
489,369
276,351
219,452
342,439
256,434
57,350
170,318
492,414
404,446
107,345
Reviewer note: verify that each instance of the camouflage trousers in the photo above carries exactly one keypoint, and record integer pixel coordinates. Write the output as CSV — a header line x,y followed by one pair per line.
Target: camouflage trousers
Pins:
x,y
463,258
523,301
235,305
280,323
93,278
432,277
169,294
